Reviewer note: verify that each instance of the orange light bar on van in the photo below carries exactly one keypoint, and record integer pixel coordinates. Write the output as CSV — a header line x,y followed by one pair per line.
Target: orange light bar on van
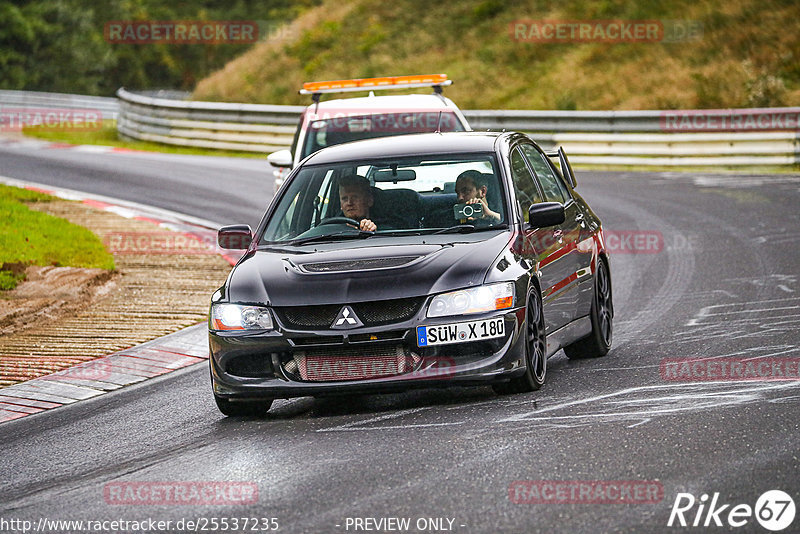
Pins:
x,y
367,84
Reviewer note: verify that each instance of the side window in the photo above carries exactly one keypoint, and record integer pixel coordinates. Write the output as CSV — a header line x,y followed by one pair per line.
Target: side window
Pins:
x,y
554,189
524,187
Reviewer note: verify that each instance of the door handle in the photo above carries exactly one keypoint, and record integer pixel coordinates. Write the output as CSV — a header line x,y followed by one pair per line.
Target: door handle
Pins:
x,y
580,219
558,235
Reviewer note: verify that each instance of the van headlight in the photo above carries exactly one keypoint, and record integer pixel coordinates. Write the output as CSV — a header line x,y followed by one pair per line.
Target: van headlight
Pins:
x,y
239,317
481,299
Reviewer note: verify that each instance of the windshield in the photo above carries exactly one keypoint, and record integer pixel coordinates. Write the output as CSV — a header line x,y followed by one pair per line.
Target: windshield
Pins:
x,y
400,196
326,131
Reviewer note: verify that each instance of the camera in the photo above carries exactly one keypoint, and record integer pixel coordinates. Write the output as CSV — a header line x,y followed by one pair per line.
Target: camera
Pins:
x,y
466,211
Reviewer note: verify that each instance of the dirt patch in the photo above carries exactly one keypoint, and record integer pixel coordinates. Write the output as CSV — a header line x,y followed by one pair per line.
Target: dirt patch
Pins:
x,y
16,268
153,294
49,293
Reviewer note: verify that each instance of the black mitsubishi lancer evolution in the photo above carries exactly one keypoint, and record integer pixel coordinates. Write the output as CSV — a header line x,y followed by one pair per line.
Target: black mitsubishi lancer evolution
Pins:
x,y
425,260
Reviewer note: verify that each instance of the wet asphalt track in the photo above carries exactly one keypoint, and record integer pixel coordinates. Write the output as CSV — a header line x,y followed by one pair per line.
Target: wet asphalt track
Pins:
x,y
725,283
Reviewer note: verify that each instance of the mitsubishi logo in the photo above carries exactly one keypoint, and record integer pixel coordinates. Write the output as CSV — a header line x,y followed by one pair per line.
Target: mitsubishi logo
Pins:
x,y
347,318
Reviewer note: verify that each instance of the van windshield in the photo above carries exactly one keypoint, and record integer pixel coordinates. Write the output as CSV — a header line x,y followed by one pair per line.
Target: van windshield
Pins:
x,y
330,129
399,196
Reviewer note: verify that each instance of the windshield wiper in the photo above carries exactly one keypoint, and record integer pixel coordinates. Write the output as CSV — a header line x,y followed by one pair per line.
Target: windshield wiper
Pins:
x,y
469,228
458,228
400,233
331,237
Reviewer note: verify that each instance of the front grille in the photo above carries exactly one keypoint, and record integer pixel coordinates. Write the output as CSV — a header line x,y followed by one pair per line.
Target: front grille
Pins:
x,y
374,313
308,316
390,335
388,311
341,364
250,365
357,265
317,340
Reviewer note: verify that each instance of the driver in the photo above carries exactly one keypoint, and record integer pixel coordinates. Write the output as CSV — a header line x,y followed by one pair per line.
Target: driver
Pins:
x,y
355,198
471,188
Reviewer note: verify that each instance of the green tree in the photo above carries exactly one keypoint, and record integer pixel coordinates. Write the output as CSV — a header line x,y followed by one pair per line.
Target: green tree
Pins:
x,y
59,45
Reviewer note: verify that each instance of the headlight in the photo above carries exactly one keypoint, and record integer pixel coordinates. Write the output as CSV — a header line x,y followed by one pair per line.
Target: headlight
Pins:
x,y
238,317
475,300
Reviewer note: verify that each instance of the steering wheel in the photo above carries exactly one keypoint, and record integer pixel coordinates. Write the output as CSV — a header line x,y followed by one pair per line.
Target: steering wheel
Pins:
x,y
339,220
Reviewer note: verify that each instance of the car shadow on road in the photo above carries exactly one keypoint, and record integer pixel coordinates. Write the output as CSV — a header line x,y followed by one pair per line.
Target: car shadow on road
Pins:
x,y
371,404
376,404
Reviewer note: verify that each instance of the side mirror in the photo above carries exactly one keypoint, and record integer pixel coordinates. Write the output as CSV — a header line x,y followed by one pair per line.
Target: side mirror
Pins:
x,y
281,158
546,214
566,168
234,237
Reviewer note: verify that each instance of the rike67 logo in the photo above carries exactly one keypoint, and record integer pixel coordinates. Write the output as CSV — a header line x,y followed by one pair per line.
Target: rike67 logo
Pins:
x,y
774,510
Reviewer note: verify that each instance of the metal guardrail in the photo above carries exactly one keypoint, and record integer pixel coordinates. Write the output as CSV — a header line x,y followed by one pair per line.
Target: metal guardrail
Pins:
x,y
219,125
594,137
107,106
640,138
678,149
565,121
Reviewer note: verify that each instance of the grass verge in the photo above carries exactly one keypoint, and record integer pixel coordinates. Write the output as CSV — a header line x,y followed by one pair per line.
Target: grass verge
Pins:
x,y
107,136
29,237
710,54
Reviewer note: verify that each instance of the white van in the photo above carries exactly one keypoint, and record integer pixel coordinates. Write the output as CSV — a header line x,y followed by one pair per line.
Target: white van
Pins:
x,y
333,122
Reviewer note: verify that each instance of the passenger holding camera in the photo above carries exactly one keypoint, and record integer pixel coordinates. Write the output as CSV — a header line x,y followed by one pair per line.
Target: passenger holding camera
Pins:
x,y
471,188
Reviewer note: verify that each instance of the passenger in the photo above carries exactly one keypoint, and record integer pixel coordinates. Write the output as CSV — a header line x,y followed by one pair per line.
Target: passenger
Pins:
x,y
471,188
355,198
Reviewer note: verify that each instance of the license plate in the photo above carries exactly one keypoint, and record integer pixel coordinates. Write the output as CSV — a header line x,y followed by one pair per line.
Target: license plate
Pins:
x,y
460,332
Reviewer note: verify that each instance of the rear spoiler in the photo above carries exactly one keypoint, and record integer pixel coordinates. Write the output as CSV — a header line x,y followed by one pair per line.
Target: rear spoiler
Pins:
x,y
563,162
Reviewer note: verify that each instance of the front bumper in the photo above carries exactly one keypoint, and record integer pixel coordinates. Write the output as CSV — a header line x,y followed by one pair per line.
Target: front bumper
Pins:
x,y
259,364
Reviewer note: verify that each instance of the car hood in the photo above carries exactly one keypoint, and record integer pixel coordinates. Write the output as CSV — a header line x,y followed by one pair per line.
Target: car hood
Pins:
x,y
359,271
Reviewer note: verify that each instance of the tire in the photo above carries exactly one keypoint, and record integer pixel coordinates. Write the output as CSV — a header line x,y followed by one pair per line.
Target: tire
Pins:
x,y
598,342
535,350
243,408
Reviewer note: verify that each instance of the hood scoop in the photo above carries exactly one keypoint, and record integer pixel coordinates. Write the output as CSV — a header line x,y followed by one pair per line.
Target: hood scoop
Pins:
x,y
366,264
